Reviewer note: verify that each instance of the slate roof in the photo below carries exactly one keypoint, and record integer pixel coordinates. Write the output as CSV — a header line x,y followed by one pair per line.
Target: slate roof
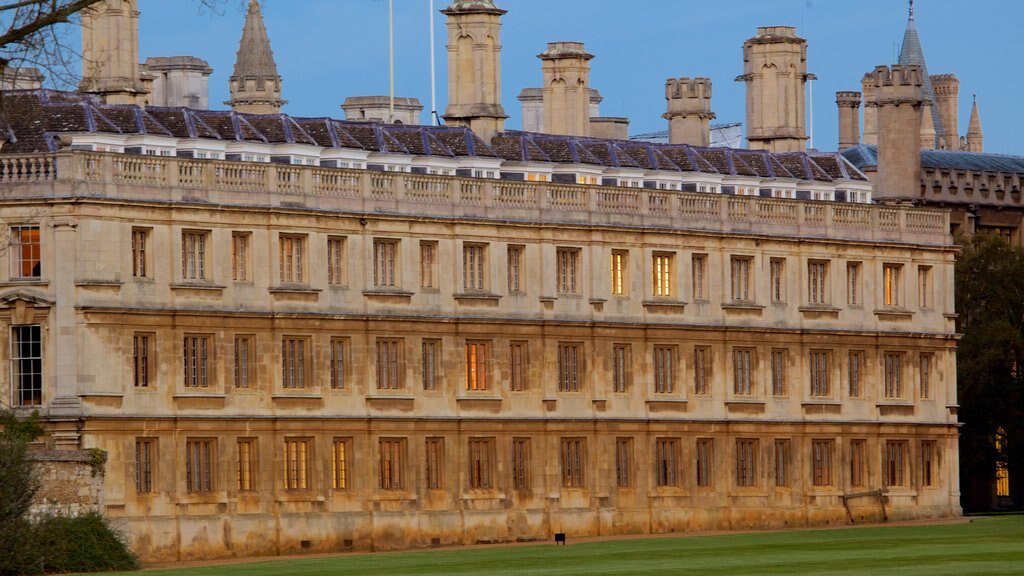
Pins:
x,y
864,156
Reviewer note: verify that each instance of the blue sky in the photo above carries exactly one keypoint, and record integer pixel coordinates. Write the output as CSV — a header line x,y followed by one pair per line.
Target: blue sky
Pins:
x,y
327,50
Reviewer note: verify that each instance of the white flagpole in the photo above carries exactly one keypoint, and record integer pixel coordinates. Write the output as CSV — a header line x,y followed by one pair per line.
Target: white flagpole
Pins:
x,y
433,71
391,56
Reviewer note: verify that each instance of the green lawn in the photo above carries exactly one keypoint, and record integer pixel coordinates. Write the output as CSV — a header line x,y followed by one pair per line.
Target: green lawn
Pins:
x,y
986,546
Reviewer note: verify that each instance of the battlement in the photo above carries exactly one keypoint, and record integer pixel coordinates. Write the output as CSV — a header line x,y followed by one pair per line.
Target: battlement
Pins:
x,y
897,75
784,31
679,88
851,99
945,84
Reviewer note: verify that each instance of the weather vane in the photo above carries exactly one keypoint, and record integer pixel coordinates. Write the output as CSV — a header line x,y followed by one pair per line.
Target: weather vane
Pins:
x,y
911,9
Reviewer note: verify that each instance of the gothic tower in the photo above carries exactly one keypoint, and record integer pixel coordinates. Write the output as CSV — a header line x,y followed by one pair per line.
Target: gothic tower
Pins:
x,y
849,119
867,87
899,97
255,84
912,54
566,92
474,67
947,100
689,111
110,52
775,70
975,137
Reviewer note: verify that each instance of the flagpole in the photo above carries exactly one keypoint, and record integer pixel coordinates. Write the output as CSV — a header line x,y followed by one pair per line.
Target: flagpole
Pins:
x,y
391,57
433,71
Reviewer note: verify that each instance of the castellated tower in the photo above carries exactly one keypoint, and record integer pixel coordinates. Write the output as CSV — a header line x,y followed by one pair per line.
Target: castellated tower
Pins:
x,y
255,83
867,86
689,111
566,92
110,52
947,99
899,96
474,67
775,70
849,119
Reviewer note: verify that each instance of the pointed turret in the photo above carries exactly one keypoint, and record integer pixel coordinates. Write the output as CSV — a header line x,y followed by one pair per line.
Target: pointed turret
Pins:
x,y
927,127
255,84
912,54
975,137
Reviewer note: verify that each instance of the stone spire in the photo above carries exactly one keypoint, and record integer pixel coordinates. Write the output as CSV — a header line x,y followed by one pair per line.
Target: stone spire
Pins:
x,y
255,84
975,137
912,54
927,127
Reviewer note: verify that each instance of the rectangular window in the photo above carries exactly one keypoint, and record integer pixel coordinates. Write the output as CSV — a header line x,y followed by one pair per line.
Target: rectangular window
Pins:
x,y
618,272
702,370
199,459
742,367
778,280
926,376
145,457
853,291
781,458
924,286
141,350
431,357
293,362
895,463
193,255
700,276
779,372
570,358
705,455
892,284
390,364
245,474
477,365
567,274
819,366
518,364
27,364
927,463
662,267
572,460
858,474
26,252
339,363
292,262
140,260
623,462
664,369
516,269
821,462
666,461
481,459
521,463
341,450
893,366
336,261
240,256
620,367
746,462
434,448
741,280
817,283
385,259
392,462
197,362
854,369
474,267
296,464
244,357
428,265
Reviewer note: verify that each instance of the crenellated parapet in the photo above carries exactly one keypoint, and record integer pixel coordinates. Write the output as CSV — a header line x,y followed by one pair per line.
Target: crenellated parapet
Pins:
x,y
898,84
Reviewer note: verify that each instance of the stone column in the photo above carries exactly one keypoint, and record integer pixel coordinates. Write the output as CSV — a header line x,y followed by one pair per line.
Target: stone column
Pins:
x,y
849,119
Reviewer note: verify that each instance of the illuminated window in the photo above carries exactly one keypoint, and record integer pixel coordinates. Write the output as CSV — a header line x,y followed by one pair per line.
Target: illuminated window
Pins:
x,y
662,269
618,272
477,362
892,284
245,473
25,251
296,464
341,450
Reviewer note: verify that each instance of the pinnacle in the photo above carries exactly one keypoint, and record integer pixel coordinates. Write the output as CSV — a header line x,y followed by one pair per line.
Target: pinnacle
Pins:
x,y
255,58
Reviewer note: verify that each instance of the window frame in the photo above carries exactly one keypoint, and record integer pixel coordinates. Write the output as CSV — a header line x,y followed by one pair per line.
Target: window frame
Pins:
x,y
744,367
619,273
822,451
392,351
433,462
198,361
704,462
203,480
337,263
854,373
892,285
779,368
146,459
246,460
243,359
144,361
478,365
386,260
746,462
703,370
292,250
391,458
480,459
140,252
570,366
572,459
777,280
428,264
892,375
621,373
296,362
516,268
341,463
521,463
663,274
664,361
339,362
430,359
854,291
519,365
894,458
742,279
624,477
16,249
782,461
475,267
568,262
818,282
699,274
819,363
195,255
666,462
298,468
241,256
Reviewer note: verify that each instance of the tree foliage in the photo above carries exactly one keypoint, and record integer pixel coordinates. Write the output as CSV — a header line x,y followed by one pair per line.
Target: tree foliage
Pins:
x,y
18,487
990,361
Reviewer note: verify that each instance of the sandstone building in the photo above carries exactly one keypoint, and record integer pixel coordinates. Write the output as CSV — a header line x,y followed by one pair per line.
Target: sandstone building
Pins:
x,y
305,334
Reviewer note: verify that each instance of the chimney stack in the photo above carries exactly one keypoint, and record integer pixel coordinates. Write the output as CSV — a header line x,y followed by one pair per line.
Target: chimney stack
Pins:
x,y
775,70
110,52
566,92
474,67
849,119
947,98
867,85
689,111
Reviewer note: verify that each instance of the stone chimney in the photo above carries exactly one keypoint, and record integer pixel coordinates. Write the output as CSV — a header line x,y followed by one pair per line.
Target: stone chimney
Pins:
x,y
899,97
947,99
255,83
566,91
689,111
179,81
775,70
110,52
474,67
867,85
975,137
849,119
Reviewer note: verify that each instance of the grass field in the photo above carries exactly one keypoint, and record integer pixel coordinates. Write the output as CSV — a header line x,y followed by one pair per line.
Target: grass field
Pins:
x,y
986,546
